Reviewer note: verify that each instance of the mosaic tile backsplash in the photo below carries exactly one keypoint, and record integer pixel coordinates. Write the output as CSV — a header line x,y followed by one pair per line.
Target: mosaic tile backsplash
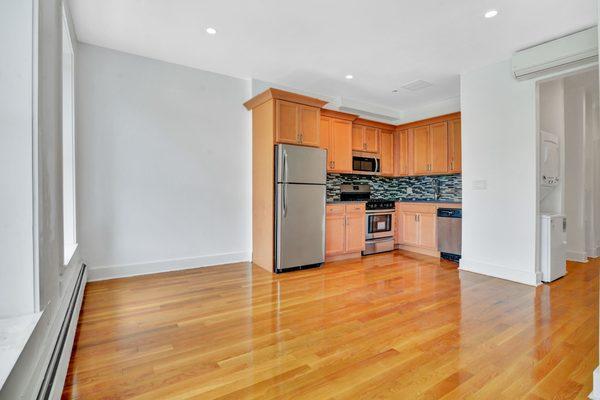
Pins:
x,y
404,188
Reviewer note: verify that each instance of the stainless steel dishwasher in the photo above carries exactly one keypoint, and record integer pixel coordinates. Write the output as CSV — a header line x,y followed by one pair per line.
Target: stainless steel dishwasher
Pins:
x,y
449,230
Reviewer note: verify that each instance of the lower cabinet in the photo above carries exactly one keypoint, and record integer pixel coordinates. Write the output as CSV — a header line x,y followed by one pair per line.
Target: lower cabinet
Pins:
x,y
416,225
344,229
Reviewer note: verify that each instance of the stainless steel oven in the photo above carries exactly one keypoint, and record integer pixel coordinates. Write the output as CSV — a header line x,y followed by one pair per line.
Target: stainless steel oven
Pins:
x,y
379,229
380,223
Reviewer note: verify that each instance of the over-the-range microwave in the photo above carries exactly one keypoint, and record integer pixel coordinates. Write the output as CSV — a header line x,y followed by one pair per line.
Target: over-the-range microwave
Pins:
x,y
365,164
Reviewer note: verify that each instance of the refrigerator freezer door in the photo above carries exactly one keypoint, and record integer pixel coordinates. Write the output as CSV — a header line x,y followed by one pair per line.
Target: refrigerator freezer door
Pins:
x,y
300,225
300,164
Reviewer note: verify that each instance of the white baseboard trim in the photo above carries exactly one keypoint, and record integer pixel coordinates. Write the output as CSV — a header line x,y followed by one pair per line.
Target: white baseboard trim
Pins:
x,y
101,273
593,252
595,395
498,271
577,256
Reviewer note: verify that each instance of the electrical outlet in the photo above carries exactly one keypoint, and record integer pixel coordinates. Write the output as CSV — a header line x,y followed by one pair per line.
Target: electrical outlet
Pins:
x,y
480,184
409,190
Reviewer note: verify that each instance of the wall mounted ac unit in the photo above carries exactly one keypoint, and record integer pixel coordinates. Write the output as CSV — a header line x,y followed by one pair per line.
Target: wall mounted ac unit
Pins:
x,y
566,52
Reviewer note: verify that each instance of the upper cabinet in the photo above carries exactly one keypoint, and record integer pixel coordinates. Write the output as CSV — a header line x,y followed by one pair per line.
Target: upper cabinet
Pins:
x,y
438,151
336,138
365,138
387,152
296,123
430,147
421,150
402,156
454,147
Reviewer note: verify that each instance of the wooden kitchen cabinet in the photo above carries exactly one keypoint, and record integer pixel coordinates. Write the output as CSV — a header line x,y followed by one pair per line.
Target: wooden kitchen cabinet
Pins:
x,y
454,146
438,150
344,229
336,138
387,152
421,150
297,123
335,228
401,153
355,232
427,230
365,138
430,149
410,228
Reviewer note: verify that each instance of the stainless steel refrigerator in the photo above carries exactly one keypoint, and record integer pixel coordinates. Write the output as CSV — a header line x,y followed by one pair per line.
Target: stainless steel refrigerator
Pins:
x,y
300,174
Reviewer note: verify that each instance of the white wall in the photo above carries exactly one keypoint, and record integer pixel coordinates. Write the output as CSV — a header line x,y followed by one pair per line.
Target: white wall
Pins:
x,y
499,153
164,167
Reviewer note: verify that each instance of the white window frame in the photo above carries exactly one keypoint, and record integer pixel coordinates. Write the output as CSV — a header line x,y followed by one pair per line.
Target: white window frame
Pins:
x,y
68,143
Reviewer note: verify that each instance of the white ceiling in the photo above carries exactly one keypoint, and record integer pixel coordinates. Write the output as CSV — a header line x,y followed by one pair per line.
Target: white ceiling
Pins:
x,y
312,44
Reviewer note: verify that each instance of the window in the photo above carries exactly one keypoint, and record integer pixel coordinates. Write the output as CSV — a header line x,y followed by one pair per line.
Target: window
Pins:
x,y
68,139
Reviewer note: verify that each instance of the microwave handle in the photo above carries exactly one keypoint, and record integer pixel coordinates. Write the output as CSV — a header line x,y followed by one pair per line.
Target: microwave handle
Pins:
x,y
376,164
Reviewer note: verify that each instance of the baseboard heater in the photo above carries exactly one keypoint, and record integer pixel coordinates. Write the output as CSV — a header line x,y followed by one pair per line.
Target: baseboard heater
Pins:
x,y
67,331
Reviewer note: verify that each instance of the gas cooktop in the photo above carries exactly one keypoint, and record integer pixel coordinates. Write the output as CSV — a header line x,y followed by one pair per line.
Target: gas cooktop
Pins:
x,y
380,204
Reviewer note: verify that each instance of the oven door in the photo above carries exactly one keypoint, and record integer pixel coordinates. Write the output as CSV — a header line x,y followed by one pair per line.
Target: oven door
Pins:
x,y
380,224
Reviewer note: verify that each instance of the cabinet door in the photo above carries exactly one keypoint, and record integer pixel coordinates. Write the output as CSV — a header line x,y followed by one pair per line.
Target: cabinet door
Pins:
x,y
335,232
439,148
371,139
358,141
326,140
355,232
410,229
421,150
398,237
454,146
401,153
309,121
428,231
286,122
387,153
341,143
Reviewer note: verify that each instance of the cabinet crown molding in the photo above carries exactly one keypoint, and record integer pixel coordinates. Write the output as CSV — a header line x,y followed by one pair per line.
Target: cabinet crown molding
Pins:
x,y
429,121
278,94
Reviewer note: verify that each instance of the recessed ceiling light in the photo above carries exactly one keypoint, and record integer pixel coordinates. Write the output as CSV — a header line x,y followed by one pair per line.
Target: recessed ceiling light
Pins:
x,y
211,31
349,76
490,13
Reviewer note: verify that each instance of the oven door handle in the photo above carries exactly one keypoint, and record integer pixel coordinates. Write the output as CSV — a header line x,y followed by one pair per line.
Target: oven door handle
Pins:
x,y
380,212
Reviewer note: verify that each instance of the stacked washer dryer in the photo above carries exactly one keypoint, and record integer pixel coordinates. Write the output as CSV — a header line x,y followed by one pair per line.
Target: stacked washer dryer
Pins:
x,y
553,226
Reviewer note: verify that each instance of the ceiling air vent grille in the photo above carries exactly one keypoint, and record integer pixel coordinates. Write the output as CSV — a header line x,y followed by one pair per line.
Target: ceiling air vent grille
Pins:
x,y
416,85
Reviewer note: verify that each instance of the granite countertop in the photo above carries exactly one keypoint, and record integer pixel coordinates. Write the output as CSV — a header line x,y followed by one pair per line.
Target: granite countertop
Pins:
x,y
398,200
344,201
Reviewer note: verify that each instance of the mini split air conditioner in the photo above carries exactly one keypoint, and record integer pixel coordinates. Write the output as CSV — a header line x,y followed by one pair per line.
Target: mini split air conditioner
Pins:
x,y
566,52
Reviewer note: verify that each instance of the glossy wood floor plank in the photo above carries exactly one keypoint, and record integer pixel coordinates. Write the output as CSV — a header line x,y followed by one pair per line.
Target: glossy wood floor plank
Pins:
x,y
388,326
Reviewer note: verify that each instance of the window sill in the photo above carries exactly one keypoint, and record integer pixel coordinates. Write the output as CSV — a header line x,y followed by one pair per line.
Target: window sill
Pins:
x,y
14,334
70,250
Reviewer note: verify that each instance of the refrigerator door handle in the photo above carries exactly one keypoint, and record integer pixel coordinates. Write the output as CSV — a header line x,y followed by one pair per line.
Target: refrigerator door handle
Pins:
x,y
284,200
285,167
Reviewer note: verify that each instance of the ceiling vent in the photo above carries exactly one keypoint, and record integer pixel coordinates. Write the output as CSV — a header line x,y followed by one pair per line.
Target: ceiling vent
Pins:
x,y
416,85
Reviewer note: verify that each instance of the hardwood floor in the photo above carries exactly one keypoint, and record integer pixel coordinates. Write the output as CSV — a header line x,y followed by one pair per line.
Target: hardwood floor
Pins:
x,y
390,326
